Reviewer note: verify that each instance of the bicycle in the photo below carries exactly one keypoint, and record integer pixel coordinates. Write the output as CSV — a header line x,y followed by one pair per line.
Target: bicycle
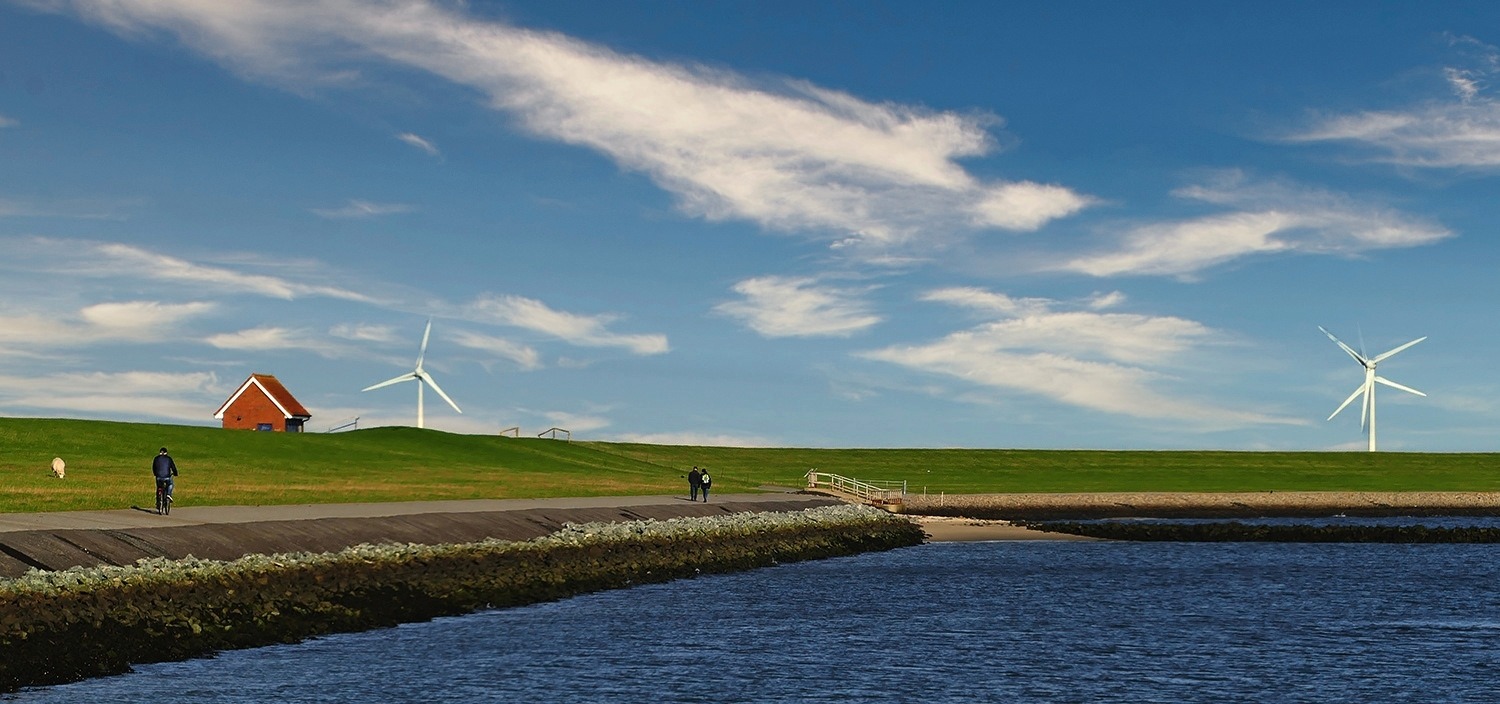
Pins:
x,y
163,499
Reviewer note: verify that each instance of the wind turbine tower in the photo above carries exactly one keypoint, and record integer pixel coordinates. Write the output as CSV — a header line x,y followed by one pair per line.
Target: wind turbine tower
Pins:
x,y
421,377
1367,414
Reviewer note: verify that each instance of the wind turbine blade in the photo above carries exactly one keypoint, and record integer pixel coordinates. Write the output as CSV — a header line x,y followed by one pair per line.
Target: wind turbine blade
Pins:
x,y
1398,349
1394,385
1357,357
427,378
404,377
423,352
1348,401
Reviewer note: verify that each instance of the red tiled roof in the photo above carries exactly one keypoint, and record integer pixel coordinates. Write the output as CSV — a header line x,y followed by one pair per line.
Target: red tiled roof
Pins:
x,y
273,388
280,395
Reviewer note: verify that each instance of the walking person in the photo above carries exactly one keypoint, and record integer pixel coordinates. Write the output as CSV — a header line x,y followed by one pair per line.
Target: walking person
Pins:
x,y
163,468
703,483
695,480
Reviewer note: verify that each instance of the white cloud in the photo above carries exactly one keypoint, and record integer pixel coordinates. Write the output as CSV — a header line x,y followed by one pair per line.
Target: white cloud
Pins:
x,y
785,154
112,260
144,318
1449,135
525,357
1268,218
365,333
358,209
989,301
776,306
1462,133
583,330
695,439
55,275
1026,206
1108,362
130,321
575,422
276,339
418,142
190,397
1105,301
1463,82
8,122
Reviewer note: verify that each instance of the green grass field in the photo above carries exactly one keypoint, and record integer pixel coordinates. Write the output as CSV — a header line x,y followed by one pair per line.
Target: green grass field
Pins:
x,y
109,467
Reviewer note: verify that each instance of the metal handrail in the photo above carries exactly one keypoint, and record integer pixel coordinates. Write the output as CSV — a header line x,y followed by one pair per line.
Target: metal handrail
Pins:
x,y
347,423
879,493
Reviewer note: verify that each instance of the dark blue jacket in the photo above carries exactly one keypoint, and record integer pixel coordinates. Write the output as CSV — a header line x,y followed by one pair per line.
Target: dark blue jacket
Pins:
x,y
163,467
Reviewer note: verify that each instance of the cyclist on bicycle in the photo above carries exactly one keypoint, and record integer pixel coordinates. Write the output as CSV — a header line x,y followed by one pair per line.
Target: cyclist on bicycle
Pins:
x,y
164,469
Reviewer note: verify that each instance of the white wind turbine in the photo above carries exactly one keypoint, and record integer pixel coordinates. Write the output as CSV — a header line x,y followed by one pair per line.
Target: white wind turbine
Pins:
x,y
1367,415
421,377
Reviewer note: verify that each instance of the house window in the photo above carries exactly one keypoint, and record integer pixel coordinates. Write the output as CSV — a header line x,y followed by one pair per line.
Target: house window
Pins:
x,y
264,427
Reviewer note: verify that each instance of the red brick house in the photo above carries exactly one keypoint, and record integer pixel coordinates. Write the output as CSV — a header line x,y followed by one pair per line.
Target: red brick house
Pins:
x,y
262,403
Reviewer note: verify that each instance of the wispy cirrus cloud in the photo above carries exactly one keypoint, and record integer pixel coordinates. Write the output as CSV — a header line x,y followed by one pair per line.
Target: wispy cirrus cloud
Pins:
x,y
365,333
583,330
1265,218
777,306
1459,133
1444,135
576,422
280,340
1108,362
112,260
360,209
526,357
127,321
419,142
785,154
189,397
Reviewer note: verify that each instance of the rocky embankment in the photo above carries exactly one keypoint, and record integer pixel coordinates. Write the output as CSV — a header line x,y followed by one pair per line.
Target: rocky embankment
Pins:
x,y
58,626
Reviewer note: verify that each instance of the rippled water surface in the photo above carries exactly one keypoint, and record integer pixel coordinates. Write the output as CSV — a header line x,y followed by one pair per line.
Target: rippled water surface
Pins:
x,y
955,622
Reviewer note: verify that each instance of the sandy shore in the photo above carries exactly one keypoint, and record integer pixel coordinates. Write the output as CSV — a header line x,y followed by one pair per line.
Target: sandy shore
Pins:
x,y
1204,505
944,529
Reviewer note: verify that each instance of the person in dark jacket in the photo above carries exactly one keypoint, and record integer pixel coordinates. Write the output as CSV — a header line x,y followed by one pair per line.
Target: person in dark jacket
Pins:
x,y
164,469
695,480
703,483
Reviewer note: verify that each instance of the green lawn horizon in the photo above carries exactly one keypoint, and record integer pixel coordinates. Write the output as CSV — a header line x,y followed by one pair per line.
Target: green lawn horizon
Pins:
x,y
108,466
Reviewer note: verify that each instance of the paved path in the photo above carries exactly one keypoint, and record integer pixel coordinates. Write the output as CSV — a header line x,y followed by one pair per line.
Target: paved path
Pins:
x,y
54,541
201,515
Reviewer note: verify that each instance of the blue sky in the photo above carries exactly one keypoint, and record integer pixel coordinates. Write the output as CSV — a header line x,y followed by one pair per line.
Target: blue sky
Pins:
x,y
866,224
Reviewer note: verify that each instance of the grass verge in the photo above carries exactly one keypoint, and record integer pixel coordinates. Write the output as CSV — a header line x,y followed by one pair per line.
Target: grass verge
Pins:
x,y
108,467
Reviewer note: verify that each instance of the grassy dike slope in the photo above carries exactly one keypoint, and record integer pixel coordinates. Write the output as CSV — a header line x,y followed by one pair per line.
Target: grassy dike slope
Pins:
x,y
108,466
963,471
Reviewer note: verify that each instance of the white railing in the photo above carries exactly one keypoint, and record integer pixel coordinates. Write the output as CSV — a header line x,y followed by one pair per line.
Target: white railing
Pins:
x,y
888,494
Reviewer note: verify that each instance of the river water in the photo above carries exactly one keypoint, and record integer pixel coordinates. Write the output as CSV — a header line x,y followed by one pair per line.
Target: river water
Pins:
x,y
947,622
